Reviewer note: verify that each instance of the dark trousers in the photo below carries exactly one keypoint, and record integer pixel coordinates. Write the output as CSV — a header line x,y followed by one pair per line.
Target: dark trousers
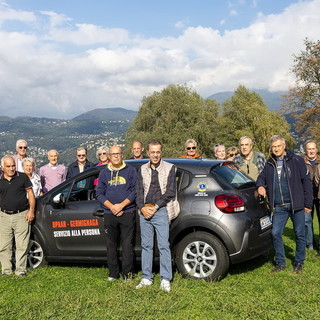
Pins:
x,y
316,209
124,225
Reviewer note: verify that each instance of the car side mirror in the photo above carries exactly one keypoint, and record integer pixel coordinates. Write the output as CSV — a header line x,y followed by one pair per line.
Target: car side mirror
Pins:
x,y
59,200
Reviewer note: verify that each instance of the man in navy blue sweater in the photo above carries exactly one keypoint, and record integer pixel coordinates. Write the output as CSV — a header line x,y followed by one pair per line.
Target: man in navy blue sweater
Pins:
x,y
116,193
286,181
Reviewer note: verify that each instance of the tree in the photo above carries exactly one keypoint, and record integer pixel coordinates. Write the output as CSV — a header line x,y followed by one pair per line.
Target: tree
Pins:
x,y
304,97
246,114
172,116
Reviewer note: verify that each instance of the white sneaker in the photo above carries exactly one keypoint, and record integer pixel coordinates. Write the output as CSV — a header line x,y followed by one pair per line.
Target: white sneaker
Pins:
x,y
144,283
165,285
111,279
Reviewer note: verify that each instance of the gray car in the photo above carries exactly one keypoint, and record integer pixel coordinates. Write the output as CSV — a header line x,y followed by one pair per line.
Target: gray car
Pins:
x,y
221,221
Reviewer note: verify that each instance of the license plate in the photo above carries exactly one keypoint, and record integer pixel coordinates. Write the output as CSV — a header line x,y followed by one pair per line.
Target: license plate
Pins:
x,y
265,222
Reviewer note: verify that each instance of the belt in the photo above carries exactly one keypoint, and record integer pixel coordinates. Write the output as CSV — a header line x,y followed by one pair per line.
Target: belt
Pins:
x,y
283,204
12,211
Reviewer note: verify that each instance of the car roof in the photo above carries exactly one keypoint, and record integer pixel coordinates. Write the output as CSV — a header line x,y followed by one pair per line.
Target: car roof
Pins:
x,y
196,166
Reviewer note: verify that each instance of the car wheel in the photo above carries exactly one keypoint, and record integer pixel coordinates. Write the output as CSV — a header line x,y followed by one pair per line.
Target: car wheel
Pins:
x,y
36,256
200,255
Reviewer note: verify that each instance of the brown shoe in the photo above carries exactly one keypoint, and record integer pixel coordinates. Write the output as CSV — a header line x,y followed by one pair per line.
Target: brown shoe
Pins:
x,y
277,268
297,268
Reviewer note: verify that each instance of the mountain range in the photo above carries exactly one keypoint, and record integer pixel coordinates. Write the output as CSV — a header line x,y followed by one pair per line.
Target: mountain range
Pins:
x,y
111,114
273,100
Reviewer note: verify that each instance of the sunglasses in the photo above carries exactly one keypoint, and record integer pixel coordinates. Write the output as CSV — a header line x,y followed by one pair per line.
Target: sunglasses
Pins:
x,y
81,155
231,154
23,148
102,154
193,148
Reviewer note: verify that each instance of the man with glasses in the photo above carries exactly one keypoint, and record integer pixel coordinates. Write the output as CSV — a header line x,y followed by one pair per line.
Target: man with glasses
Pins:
x,y
157,202
21,148
191,150
250,162
116,193
312,160
80,165
286,181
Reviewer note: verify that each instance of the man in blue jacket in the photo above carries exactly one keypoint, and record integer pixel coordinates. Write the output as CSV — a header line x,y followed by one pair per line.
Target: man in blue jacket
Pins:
x,y
286,181
116,193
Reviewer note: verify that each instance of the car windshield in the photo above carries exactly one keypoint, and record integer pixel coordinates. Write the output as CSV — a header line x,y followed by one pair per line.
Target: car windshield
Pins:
x,y
227,174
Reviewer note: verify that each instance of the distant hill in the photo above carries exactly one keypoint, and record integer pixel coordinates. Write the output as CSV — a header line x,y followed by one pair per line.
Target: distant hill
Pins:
x,y
272,99
110,114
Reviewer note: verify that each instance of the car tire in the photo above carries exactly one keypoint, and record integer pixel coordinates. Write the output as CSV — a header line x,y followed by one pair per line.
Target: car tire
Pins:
x,y
36,257
201,255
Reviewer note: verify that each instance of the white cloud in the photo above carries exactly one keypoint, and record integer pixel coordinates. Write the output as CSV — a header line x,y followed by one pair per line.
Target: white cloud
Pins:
x,y
233,13
8,14
52,74
180,25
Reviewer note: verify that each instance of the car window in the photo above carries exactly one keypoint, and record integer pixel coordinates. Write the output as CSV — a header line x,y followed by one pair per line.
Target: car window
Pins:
x,y
227,174
84,189
64,193
183,179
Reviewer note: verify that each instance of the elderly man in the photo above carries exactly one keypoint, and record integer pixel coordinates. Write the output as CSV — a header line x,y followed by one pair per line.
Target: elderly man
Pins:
x,y
116,193
17,203
52,173
80,165
312,161
250,162
157,202
137,150
21,148
286,181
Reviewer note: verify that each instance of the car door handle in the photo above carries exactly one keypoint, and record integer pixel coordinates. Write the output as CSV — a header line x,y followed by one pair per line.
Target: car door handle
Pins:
x,y
99,213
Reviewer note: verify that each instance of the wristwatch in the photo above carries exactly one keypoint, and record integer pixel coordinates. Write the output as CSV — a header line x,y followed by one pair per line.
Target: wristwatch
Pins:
x,y
156,206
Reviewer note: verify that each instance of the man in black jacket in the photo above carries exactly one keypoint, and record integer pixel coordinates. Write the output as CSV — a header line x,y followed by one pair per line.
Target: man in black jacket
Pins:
x,y
80,165
286,181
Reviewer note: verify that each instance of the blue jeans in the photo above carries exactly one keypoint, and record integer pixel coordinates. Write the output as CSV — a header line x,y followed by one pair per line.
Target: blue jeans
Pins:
x,y
308,230
280,218
159,223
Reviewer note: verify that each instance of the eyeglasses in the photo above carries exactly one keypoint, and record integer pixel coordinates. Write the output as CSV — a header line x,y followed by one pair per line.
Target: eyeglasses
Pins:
x,y
231,154
115,154
193,148
23,148
81,155
102,154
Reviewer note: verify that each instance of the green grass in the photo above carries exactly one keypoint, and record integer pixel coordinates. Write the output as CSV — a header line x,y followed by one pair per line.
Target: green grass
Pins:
x,y
247,292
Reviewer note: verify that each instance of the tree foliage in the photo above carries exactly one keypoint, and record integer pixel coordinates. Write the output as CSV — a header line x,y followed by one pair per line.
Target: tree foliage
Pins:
x,y
178,113
172,116
246,114
304,97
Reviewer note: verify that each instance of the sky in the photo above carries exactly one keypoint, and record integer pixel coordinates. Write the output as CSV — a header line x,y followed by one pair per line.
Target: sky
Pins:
x,y
61,58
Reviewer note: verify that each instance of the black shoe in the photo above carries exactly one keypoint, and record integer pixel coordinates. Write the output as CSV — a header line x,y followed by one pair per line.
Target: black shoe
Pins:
x,y
297,268
277,268
22,275
127,277
318,254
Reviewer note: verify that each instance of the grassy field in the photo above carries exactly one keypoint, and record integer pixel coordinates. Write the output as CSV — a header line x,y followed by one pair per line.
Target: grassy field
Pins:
x,y
247,292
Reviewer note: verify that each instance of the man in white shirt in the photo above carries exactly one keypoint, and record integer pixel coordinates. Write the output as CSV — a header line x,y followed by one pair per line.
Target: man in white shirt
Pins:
x,y
22,147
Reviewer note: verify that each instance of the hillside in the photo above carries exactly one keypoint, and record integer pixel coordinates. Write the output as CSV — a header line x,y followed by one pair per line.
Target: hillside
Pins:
x,y
110,114
44,134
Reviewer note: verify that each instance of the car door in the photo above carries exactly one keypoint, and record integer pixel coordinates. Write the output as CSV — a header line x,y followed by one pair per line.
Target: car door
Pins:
x,y
74,220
